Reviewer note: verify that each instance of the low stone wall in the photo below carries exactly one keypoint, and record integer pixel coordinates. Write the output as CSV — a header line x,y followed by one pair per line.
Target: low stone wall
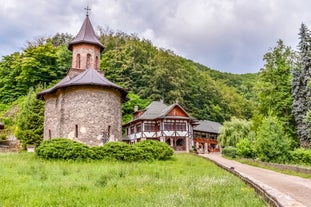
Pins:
x,y
9,146
283,167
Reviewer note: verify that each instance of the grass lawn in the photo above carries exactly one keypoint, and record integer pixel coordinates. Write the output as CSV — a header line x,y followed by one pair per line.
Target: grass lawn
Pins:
x,y
186,180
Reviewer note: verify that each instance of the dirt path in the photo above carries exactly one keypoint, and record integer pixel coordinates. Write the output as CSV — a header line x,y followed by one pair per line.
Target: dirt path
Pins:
x,y
290,191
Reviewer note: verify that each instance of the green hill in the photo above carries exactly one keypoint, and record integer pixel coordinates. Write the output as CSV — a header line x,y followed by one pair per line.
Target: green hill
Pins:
x,y
138,66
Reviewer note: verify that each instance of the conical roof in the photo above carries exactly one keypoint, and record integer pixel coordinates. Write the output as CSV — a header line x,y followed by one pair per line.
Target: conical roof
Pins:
x,y
87,35
89,77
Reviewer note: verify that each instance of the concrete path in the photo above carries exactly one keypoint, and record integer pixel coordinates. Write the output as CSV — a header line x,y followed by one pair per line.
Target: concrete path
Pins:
x,y
289,191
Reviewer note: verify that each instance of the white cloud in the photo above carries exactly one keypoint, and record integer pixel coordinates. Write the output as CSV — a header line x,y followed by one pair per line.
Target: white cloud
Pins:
x,y
228,35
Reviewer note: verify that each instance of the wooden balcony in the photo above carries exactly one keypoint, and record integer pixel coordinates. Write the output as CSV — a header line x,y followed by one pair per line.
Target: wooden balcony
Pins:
x,y
205,140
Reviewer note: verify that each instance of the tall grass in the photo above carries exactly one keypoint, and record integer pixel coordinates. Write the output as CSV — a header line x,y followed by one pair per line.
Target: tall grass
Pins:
x,y
186,180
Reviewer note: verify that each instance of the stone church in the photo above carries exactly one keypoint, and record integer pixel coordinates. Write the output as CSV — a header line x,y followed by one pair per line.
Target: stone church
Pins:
x,y
84,106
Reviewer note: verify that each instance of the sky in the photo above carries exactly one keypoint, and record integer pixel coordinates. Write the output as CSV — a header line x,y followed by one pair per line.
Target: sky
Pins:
x,y
225,35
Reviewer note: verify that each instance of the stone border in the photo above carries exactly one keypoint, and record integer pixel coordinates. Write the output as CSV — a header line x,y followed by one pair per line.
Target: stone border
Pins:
x,y
283,167
272,201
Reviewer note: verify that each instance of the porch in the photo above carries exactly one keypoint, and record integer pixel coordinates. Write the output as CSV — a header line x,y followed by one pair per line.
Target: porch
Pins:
x,y
205,145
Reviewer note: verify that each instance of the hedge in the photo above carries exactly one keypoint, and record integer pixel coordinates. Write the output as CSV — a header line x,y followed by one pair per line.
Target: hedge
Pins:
x,y
66,149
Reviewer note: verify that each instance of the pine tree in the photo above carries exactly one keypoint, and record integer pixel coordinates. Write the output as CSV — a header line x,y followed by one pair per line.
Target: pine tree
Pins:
x,y
301,90
30,120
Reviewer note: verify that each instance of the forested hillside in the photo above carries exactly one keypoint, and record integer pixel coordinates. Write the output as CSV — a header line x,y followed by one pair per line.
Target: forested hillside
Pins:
x,y
138,66
259,112
157,74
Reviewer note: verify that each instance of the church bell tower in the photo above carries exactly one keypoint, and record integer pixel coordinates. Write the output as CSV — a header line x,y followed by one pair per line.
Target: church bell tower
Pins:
x,y
86,49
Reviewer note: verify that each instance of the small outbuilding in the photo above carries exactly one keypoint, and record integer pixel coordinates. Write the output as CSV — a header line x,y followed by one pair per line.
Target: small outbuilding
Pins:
x,y
1,125
205,136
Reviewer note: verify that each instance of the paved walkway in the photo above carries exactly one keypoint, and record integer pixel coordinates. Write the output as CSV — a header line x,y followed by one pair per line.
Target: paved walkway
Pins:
x,y
289,191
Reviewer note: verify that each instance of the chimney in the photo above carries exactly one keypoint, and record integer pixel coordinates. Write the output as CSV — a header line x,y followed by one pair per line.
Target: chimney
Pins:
x,y
135,108
161,101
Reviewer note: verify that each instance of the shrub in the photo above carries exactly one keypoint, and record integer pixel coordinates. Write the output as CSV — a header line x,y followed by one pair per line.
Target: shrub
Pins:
x,y
300,156
230,152
66,149
3,134
244,148
154,150
272,144
118,151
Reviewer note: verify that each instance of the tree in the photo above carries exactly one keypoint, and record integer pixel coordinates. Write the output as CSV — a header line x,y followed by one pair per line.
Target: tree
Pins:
x,y
274,88
156,74
234,130
301,90
37,64
30,120
61,39
128,107
272,144
245,148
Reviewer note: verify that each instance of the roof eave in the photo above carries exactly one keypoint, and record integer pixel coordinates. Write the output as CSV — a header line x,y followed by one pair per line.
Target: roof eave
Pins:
x,y
101,46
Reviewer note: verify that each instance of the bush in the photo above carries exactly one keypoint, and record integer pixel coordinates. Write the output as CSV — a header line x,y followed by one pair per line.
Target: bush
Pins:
x,y
118,151
230,152
154,150
66,149
244,148
300,156
272,144
3,134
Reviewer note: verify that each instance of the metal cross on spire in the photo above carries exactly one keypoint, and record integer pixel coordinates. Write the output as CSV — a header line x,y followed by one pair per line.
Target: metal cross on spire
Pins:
x,y
87,9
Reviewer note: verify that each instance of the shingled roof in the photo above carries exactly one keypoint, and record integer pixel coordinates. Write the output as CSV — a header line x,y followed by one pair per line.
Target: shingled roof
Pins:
x,y
154,110
208,126
86,35
158,110
89,77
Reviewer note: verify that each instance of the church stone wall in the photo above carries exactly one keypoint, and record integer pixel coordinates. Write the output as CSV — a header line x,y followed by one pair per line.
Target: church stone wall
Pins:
x,y
83,113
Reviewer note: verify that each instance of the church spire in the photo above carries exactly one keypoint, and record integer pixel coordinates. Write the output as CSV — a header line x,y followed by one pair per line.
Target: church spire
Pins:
x,y
87,34
86,48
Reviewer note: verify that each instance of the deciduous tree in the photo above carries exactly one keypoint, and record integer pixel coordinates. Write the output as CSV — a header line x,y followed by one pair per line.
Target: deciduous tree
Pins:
x,y
272,144
274,88
234,130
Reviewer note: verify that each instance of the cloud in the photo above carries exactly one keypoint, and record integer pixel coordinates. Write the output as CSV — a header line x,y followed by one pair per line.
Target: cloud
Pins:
x,y
227,35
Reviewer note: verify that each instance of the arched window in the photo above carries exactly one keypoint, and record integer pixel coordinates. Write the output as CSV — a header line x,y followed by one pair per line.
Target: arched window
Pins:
x,y
96,63
88,61
78,61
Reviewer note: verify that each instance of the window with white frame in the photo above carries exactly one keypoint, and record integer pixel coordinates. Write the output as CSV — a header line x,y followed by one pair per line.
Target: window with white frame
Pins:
x,y
169,125
138,127
149,126
181,126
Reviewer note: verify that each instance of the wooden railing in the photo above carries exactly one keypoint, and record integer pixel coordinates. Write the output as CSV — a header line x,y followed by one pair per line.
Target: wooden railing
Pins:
x,y
205,140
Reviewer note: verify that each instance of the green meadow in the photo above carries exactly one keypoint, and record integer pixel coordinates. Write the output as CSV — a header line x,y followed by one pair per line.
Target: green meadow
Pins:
x,y
186,180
